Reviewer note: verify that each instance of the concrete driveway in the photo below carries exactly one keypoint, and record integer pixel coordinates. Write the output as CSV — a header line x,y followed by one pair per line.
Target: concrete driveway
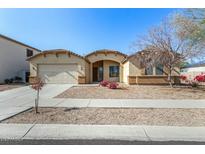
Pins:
x,y
20,99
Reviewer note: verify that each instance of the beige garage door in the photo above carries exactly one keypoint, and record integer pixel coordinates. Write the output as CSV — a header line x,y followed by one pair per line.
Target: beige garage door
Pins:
x,y
58,73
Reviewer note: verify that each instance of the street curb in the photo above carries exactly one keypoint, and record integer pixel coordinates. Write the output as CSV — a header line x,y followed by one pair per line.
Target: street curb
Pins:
x,y
93,142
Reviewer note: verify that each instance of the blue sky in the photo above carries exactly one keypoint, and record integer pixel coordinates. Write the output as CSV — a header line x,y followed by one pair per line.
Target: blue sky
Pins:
x,y
79,30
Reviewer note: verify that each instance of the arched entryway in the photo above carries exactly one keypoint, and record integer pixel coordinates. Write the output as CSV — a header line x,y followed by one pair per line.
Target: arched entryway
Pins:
x,y
97,70
106,65
105,70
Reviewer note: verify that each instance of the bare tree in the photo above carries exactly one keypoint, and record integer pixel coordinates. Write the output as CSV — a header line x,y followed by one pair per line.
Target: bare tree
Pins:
x,y
168,45
191,23
37,85
195,14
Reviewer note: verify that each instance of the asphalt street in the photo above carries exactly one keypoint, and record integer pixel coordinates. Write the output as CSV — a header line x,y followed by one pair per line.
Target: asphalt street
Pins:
x,y
95,142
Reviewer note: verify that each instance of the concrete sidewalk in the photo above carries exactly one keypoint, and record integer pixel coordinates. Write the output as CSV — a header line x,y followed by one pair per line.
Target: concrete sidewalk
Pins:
x,y
101,132
122,103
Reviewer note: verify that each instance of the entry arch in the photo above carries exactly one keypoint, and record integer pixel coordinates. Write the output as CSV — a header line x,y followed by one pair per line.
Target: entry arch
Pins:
x,y
107,58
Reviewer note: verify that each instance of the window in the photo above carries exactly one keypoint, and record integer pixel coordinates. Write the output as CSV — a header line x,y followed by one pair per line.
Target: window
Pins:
x,y
159,69
29,53
114,71
149,70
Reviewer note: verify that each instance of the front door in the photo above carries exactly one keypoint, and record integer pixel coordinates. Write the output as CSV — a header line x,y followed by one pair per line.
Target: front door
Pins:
x,y
95,74
100,74
98,71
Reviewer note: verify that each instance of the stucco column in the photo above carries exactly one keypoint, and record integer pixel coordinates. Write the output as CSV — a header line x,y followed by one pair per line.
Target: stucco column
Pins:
x,y
121,73
154,70
91,72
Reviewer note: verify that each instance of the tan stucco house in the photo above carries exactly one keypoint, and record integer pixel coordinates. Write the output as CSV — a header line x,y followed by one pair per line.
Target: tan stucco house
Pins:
x,y
13,55
63,66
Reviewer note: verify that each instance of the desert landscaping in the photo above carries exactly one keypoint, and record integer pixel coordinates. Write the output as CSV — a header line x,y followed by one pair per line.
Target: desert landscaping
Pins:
x,y
133,92
113,116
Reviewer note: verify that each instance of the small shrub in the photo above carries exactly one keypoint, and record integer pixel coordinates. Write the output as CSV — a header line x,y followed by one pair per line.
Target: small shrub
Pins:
x,y
17,78
104,83
11,80
6,81
194,84
113,85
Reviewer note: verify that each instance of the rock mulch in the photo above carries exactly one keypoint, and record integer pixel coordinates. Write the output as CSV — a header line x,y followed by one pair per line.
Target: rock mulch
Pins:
x,y
133,92
111,116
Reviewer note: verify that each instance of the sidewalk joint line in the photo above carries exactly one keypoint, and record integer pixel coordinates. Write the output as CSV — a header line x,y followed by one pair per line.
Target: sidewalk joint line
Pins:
x,y
28,130
59,103
89,103
146,134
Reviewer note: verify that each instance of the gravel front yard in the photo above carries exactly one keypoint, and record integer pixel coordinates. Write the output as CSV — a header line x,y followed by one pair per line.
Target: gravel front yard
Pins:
x,y
133,92
8,87
101,116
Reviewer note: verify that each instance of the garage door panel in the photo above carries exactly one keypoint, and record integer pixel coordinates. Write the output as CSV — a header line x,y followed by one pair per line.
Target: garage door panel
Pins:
x,y
59,73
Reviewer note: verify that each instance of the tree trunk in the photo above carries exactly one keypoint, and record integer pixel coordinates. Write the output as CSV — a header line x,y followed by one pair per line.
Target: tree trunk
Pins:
x,y
170,77
37,101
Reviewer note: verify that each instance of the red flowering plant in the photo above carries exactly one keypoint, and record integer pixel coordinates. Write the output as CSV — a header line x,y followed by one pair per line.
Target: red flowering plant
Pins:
x,y
183,77
104,83
200,78
113,85
197,79
37,85
194,82
110,85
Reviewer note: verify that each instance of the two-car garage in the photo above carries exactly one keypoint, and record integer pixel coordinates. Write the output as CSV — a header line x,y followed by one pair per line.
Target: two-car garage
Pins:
x,y
58,66
62,73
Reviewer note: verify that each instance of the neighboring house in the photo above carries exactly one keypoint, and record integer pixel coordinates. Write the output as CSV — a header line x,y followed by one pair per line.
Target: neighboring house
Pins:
x,y
192,70
63,66
13,55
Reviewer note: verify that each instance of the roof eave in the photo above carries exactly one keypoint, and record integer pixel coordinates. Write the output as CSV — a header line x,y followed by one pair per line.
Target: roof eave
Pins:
x,y
54,51
104,51
20,43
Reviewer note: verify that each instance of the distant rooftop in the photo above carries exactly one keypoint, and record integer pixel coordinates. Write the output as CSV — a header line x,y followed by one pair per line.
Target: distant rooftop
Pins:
x,y
200,64
15,41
